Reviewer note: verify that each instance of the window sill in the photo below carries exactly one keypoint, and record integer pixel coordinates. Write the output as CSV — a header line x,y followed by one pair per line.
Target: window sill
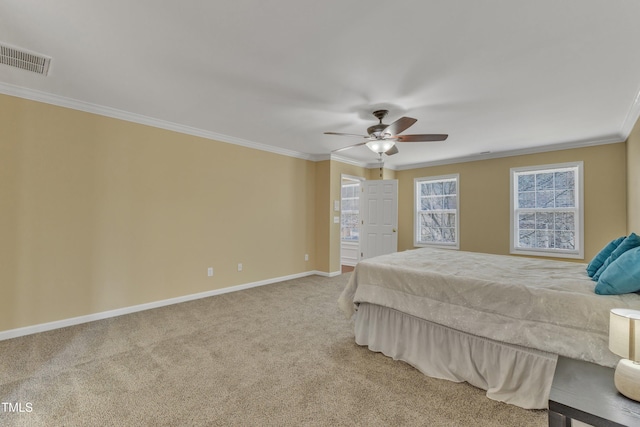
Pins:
x,y
548,254
436,245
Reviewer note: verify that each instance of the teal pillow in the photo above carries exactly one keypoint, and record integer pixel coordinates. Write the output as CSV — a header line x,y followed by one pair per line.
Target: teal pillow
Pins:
x,y
602,256
622,276
630,242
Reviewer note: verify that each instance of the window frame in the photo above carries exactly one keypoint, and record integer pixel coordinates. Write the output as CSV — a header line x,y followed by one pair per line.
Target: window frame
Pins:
x,y
416,211
578,251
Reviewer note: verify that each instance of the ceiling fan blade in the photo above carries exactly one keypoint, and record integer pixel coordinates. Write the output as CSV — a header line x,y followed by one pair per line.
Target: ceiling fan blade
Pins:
x,y
400,125
350,146
345,134
391,151
421,137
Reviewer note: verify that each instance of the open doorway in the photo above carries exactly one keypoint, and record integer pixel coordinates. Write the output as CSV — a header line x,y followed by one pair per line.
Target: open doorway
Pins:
x,y
350,222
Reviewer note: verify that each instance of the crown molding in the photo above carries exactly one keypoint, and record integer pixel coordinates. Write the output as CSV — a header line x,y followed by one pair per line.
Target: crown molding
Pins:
x,y
87,107
366,165
376,165
614,139
320,157
47,98
519,152
631,118
348,161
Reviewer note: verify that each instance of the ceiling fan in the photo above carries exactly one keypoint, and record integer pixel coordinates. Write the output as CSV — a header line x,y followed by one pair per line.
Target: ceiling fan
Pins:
x,y
382,138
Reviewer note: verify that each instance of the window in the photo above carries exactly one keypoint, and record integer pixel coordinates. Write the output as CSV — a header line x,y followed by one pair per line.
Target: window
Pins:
x,y
350,205
546,210
436,211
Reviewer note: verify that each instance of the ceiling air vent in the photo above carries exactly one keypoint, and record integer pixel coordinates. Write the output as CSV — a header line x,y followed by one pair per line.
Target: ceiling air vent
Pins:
x,y
25,60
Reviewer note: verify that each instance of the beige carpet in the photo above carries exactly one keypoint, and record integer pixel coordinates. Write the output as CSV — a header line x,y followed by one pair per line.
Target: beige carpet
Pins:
x,y
280,355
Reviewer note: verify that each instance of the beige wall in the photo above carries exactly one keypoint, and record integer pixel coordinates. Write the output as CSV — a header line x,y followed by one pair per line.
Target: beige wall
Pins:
x,y
98,214
484,197
633,180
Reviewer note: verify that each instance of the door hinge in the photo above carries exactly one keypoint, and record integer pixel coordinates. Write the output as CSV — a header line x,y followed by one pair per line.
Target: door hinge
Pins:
x,y
362,220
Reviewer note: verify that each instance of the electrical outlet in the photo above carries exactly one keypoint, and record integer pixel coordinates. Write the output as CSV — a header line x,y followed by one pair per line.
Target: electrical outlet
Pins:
x,y
306,257
239,266
210,271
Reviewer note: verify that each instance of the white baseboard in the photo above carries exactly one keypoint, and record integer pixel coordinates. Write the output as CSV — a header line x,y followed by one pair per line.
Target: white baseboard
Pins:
x,y
325,274
43,327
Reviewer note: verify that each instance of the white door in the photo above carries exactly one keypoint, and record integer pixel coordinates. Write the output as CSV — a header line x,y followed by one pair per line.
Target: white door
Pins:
x,y
379,214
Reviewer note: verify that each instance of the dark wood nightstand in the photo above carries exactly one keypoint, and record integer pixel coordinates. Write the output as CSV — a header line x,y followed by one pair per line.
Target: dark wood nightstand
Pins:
x,y
585,391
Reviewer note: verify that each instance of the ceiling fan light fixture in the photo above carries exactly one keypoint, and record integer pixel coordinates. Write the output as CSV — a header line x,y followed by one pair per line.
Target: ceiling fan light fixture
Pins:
x,y
380,145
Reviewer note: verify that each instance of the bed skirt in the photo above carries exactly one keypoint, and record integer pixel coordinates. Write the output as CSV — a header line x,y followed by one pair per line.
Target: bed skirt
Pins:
x,y
512,374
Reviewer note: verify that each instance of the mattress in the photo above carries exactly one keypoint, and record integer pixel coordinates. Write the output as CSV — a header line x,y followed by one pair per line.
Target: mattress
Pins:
x,y
536,303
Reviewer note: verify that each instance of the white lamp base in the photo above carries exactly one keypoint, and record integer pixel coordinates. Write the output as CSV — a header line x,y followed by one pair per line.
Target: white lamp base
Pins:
x,y
627,379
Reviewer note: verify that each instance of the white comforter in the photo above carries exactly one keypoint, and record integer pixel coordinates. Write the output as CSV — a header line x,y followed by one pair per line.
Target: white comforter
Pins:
x,y
542,304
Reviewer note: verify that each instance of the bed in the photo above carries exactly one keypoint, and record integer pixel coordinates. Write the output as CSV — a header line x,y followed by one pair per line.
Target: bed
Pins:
x,y
497,322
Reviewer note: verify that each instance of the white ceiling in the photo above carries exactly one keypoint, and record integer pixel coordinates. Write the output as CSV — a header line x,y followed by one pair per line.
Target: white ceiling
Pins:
x,y
496,75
